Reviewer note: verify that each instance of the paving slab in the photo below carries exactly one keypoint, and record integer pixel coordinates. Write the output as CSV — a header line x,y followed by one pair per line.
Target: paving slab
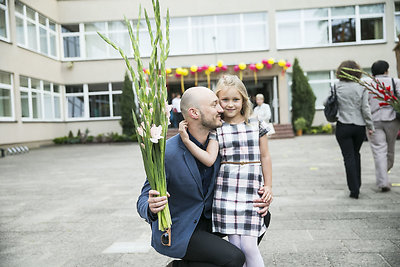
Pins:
x,y
75,205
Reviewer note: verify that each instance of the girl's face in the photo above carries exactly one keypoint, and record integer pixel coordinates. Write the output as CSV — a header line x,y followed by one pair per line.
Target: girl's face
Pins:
x,y
231,101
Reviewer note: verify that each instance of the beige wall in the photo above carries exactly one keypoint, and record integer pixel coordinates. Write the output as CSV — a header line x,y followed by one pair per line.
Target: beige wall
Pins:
x,y
21,61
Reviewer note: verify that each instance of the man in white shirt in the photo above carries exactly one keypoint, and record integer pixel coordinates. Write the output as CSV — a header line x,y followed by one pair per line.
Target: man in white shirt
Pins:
x,y
176,108
263,112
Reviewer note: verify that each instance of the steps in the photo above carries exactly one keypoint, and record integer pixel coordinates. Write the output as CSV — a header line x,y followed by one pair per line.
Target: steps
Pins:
x,y
281,131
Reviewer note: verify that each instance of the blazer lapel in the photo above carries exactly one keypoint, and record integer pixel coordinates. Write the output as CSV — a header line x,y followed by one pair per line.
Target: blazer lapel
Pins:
x,y
192,166
216,167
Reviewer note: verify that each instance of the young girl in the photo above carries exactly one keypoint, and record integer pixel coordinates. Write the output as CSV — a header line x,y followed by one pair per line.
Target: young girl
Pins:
x,y
245,168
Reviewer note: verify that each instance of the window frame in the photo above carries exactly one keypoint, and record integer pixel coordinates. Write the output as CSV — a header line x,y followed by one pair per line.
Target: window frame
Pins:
x,y
12,105
49,32
188,27
356,16
86,103
41,93
332,79
7,18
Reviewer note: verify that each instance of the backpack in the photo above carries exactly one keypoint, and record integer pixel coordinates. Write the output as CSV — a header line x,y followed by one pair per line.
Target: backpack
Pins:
x,y
331,106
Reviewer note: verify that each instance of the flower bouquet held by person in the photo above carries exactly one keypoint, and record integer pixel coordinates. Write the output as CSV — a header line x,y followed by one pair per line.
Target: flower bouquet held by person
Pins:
x,y
380,91
154,110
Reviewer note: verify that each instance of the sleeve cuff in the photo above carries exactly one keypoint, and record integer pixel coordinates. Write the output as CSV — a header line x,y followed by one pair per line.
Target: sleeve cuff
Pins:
x,y
152,217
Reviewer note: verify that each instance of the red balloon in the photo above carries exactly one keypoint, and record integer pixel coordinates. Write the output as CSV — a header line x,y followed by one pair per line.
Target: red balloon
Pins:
x,y
264,61
177,75
252,66
217,69
269,66
224,67
236,68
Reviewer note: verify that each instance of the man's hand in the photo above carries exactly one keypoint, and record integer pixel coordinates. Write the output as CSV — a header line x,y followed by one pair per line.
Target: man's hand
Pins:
x,y
156,203
259,202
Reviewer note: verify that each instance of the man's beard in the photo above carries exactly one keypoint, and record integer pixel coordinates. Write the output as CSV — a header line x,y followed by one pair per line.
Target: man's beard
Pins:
x,y
210,124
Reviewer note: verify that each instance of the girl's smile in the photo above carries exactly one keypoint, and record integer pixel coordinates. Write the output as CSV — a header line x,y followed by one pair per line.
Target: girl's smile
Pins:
x,y
232,102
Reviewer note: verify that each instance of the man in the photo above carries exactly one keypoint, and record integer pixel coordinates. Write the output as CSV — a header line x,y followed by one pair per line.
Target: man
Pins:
x,y
176,109
383,140
191,186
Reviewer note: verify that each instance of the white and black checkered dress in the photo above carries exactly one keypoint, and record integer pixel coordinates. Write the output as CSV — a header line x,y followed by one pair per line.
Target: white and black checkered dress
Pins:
x,y
237,185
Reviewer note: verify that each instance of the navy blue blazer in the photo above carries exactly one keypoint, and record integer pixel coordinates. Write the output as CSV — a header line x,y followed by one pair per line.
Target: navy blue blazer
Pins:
x,y
186,202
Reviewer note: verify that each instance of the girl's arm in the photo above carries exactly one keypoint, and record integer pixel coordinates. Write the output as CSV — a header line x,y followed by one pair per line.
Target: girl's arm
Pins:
x,y
207,157
266,165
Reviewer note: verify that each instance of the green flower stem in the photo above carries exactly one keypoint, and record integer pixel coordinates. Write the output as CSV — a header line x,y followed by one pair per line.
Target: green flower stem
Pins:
x,y
151,102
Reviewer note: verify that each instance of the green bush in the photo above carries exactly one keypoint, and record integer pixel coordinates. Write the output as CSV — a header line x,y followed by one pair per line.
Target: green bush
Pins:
x,y
300,124
303,98
100,138
322,129
61,140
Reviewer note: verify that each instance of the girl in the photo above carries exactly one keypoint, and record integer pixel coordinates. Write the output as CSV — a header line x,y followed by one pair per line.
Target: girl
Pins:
x,y
245,168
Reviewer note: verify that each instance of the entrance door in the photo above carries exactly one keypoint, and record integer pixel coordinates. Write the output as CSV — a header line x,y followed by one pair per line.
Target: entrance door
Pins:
x,y
266,88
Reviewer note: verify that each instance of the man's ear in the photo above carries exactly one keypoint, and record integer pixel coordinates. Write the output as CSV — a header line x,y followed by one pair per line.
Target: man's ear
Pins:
x,y
193,113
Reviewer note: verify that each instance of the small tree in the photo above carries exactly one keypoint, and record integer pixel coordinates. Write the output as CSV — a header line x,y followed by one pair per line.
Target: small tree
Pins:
x,y
303,98
127,105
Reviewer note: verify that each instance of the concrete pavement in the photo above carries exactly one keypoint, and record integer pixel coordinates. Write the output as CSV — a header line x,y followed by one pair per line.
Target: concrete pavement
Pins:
x,y
75,206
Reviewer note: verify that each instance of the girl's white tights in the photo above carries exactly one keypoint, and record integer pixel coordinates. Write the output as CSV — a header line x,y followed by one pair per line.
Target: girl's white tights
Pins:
x,y
248,244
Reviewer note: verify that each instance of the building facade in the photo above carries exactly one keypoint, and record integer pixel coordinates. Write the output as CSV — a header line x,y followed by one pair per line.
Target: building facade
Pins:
x,y
57,75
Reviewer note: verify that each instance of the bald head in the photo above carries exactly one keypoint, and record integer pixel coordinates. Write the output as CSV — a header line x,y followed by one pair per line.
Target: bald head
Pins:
x,y
194,97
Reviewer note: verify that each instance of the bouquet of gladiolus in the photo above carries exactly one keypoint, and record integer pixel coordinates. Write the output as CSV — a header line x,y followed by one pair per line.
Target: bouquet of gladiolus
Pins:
x,y
154,110
375,87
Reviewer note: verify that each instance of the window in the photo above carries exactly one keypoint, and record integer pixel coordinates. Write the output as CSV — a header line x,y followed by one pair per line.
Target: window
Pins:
x,y
87,101
320,82
6,96
4,25
330,26
397,18
40,100
220,33
75,101
188,35
35,31
71,42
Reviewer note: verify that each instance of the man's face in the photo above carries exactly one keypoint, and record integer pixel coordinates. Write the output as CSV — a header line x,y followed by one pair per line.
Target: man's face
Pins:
x,y
211,111
259,101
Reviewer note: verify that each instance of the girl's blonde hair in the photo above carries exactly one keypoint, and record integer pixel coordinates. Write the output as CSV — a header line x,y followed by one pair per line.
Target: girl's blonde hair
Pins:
x,y
233,81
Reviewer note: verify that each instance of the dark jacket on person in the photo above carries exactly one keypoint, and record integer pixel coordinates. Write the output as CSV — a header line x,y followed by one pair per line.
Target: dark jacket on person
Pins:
x,y
187,202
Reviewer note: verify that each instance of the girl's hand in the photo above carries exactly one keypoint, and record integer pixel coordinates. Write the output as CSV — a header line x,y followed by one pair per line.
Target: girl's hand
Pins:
x,y
182,130
267,196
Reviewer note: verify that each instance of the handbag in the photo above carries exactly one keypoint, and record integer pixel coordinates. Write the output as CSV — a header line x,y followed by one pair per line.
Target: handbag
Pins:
x,y
331,106
270,128
395,93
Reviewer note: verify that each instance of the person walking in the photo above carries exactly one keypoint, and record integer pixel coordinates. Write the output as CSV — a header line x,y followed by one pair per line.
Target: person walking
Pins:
x,y
246,166
383,140
353,115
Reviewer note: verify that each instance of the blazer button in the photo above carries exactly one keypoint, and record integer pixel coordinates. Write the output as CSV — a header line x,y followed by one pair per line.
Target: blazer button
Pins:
x,y
195,221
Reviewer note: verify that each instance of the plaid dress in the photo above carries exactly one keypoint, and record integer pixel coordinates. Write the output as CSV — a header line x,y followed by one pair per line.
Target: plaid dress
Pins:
x,y
237,184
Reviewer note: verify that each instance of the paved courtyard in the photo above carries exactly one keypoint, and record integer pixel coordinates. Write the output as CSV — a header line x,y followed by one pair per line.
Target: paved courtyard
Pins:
x,y
76,206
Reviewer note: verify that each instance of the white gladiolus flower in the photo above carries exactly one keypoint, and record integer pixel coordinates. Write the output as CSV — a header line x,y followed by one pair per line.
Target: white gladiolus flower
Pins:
x,y
155,133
